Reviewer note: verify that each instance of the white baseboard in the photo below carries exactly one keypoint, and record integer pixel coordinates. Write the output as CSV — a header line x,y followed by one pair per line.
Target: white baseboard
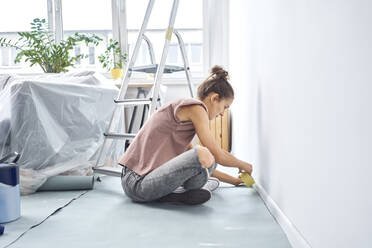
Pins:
x,y
293,235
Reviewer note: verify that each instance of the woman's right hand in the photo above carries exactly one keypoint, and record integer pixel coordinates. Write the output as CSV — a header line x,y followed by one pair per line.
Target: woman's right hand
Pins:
x,y
246,167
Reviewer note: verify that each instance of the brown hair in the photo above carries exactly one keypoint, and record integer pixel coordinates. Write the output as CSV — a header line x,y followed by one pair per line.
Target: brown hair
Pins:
x,y
217,82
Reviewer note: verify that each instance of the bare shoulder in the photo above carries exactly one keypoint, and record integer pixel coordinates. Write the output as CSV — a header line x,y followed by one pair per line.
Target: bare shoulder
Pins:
x,y
191,112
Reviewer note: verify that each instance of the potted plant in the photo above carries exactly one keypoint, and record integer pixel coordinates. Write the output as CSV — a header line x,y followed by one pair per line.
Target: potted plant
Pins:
x,y
113,59
39,47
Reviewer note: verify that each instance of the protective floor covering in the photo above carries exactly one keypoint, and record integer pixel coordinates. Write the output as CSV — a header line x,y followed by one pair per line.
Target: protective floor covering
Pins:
x,y
105,217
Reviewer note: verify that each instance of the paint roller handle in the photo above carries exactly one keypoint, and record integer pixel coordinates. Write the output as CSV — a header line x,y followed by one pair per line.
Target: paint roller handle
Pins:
x,y
10,155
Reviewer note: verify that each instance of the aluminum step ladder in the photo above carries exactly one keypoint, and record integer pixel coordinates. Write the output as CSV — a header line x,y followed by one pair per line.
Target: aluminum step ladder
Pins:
x,y
152,101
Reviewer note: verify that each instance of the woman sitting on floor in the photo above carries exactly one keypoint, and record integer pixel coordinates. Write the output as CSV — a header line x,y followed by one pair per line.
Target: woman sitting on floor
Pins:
x,y
161,158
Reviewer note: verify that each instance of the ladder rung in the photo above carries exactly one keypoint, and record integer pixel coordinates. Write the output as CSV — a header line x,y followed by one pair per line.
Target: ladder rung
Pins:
x,y
109,171
152,68
133,101
120,135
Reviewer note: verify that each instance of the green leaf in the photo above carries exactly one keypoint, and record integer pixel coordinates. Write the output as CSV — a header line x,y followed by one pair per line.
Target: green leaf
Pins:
x,y
38,47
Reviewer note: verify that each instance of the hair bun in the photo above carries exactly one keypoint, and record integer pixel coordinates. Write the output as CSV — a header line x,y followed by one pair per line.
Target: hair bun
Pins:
x,y
219,72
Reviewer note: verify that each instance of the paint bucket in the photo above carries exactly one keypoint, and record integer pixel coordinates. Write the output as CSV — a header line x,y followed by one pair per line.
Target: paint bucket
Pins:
x,y
10,198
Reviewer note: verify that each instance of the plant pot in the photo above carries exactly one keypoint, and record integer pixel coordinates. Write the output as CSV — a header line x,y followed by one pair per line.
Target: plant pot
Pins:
x,y
116,73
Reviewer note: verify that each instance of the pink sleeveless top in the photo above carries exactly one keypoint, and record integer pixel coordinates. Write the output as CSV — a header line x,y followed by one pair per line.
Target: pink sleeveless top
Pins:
x,y
162,138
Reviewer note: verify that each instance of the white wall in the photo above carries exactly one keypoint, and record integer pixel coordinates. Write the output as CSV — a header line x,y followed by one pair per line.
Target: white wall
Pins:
x,y
302,70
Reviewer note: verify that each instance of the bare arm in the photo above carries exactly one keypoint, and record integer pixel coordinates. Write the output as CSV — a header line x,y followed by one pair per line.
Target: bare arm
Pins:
x,y
200,120
227,178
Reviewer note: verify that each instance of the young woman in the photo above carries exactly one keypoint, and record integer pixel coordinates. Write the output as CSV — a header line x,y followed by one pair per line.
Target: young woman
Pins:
x,y
161,157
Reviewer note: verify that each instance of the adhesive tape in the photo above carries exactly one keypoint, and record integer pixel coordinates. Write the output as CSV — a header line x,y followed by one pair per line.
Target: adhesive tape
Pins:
x,y
247,179
168,35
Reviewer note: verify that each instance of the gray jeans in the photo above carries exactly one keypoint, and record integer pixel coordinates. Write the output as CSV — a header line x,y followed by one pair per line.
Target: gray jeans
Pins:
x,y
185,170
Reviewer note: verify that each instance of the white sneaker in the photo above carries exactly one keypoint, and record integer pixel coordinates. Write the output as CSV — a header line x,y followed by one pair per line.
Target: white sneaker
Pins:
x,y
211,185
180,189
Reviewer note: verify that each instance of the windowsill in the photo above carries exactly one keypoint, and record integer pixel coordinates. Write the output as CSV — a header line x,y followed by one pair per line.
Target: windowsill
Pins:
x,y
167,80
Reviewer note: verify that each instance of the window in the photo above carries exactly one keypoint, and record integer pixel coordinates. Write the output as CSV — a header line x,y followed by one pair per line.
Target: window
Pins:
x,y
95,16
88,17
196,53
16,16
191,30
173,54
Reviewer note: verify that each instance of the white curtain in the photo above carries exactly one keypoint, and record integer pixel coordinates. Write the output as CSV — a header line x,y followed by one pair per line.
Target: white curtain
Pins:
x,y
216,33
119,24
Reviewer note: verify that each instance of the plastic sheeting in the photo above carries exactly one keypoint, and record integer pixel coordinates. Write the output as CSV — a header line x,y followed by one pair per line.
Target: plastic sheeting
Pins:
x,y
56,122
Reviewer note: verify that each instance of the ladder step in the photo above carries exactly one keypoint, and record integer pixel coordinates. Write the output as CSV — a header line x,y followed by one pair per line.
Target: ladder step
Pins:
x,y
109,171
152,68
155,86
133,101
120,135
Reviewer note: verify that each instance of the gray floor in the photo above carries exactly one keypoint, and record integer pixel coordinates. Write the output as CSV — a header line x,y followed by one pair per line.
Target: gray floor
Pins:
x,y
104,217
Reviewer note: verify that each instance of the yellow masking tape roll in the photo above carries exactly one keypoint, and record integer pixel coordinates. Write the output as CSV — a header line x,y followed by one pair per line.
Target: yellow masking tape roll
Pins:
x,y
247,179
168,35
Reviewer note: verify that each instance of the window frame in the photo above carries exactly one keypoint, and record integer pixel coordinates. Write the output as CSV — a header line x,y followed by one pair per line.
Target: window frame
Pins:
x,y
120,30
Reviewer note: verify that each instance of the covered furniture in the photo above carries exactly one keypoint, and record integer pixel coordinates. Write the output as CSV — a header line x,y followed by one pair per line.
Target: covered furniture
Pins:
x,y
56,123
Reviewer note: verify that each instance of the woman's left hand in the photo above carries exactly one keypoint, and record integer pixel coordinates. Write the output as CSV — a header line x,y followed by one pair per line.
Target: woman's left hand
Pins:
x,y
238,181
